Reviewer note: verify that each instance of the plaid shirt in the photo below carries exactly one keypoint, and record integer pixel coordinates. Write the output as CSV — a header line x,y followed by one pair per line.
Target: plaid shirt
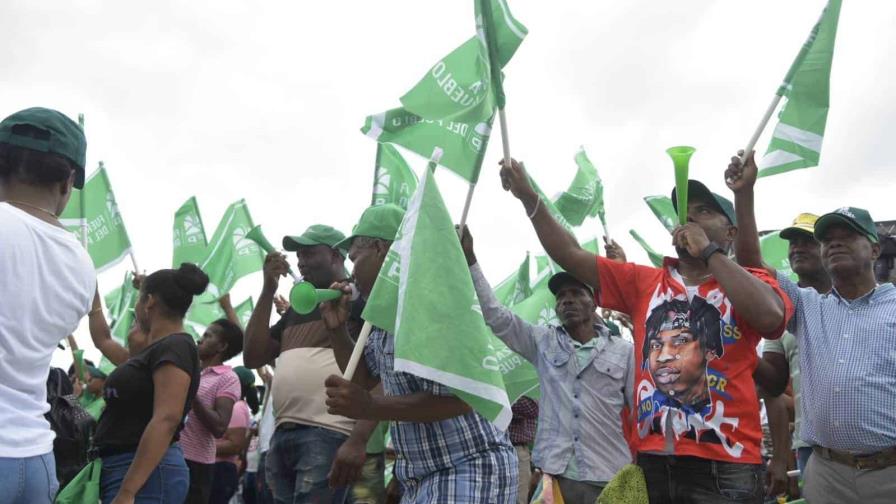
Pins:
x,y
847,366
461,459
524,421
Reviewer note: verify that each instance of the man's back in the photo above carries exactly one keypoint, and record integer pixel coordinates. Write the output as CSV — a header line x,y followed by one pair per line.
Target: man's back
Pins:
x,y
47,287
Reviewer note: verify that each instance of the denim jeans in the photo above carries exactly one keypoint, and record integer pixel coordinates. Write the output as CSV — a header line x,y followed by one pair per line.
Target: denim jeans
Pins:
x,y
28,480
263,481
225,483
167,483
298,463
693,480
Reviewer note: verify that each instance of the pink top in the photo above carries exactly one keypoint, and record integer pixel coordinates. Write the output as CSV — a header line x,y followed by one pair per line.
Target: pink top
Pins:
x,y
238,420
196,440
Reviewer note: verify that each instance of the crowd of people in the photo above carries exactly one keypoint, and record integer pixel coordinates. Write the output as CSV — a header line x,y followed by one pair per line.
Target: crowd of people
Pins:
x,y
722,344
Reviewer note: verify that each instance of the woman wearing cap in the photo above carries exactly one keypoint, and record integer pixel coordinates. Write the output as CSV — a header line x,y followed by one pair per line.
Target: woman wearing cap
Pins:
x,y
149,394
232,446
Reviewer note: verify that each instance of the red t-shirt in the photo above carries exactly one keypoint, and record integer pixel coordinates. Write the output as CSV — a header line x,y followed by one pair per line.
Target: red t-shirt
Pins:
x,y
693,362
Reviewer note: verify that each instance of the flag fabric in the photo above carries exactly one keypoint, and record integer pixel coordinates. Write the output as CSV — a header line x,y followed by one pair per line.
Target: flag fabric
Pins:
x,y
231,255
462,144
516,287
423,295
201,315
465,85
120,303
662,207
393,180
244,311
107,238
796,141
549,205
190,241
776,253
585,196
655,257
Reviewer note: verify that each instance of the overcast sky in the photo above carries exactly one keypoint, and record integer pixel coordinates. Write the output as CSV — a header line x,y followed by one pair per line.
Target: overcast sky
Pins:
x,y
264,100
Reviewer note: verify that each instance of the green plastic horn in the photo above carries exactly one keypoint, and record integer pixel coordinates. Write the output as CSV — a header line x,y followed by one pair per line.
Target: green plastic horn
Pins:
x,y
304,297
681,155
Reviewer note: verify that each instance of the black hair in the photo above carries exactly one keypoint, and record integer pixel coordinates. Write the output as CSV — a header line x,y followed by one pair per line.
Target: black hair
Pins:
x,y
232,335
250,394
704,322
58,384
32,167
71,369
176,288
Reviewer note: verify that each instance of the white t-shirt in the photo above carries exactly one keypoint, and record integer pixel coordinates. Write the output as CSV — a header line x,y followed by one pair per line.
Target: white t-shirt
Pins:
x,y
47,283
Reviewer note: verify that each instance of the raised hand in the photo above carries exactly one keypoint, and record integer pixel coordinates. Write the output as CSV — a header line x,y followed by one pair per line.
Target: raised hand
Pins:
x,y
275,266
515,180
335,312
466,243
741,175
614,251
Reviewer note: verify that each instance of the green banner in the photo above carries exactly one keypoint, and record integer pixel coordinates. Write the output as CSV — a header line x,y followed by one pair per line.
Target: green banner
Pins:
x,y
516,287
189,234
585,196
662,207
655,257
393,180
231,255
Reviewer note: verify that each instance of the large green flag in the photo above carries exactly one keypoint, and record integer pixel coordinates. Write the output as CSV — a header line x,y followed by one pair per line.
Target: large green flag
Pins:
x,y
120,303
393,180
516,287
189,234
424,295
655,257
585,196
244,311
231,255
107,239
464,85
776,253
662,207
796,141
462,145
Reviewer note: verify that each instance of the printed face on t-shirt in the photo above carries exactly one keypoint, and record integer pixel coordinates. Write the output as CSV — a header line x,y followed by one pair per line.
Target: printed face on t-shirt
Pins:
x,y
678,365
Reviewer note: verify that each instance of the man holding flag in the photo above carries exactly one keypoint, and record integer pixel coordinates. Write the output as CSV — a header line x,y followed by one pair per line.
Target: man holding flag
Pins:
x,y
446,452
697,322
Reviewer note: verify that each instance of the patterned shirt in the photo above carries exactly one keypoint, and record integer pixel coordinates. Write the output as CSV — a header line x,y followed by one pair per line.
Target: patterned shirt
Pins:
x,y
848,367
525,418
196,440
461,459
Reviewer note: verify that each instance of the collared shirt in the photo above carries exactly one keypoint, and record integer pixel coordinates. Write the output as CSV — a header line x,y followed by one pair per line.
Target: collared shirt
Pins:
x,y
786,346
581,399
525,418
196,440
848,367
442,456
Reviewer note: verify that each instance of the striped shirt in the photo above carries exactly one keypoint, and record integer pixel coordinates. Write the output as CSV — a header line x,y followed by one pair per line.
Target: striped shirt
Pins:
x,y
196,440
461,459
847,366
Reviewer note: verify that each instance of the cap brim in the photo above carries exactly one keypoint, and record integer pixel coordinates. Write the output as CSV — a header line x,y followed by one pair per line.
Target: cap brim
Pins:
x,y
826,221
563,278
794,231
345,244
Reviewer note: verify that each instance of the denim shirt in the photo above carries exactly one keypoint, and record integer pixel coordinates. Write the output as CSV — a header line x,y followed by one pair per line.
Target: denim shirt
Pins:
x,y
581,406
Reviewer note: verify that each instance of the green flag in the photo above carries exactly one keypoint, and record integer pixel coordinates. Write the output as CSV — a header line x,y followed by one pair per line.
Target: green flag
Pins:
x,y
244,311
464,85
585,196
201,315
462,144
231,256
796,141
549,205
393,180
662,207
189,234
776,253
423,295
107,239
655,257
120,303
515,288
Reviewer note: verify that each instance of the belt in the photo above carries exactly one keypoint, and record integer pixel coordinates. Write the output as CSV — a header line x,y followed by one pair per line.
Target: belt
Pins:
x,y
878,460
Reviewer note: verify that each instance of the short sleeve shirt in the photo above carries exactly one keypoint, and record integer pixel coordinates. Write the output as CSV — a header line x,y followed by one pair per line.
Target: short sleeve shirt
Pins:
x,y
130,391
240,419
196,440
694,389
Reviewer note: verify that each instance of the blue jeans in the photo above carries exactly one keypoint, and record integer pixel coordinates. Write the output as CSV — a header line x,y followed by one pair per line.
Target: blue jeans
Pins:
x,y
29,480
298,463
167,483
225,483
692,480
262,481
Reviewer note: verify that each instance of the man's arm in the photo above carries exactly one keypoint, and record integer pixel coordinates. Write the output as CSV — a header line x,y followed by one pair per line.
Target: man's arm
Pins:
x,y
741,179
779,427
335,315
348,399
259,348
350,457
772,372
559,243
229,312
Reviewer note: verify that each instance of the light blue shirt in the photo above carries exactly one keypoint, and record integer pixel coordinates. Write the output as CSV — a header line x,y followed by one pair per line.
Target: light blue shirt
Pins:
x,y
847,367
579,418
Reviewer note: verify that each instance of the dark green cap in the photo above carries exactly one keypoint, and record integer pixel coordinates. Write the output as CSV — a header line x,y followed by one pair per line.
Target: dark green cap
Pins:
x,y
63,136
247,378
380,221
95,372
857,218
696,190
318,234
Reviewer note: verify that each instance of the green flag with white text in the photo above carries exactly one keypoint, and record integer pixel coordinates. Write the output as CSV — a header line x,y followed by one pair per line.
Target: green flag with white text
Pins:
x,y
393,180
424,295
244,311
655,257
516,287
462,144
662,207
190,241
107,238
585,196
796,141
201,315
120,303
231,255
776,253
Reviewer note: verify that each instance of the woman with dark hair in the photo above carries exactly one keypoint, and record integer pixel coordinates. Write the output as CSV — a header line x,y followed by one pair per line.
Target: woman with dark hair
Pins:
x,y
219,389
149,394
232,446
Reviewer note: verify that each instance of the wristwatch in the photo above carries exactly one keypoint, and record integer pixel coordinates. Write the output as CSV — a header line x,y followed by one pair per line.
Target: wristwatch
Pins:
x,y
709,250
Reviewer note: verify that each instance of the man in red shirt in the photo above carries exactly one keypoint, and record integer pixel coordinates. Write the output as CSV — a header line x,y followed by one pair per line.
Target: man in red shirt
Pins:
x,y
697,321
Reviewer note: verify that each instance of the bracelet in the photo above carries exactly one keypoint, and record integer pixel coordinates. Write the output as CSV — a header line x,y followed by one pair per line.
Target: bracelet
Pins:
x,y
535,210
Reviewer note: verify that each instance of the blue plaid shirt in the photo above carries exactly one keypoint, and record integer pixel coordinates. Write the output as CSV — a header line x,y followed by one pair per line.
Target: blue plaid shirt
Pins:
x,y
847,365
461,459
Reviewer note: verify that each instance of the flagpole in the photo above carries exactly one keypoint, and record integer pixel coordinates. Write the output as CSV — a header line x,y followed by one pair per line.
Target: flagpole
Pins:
x,y
357,352
134,261
762,124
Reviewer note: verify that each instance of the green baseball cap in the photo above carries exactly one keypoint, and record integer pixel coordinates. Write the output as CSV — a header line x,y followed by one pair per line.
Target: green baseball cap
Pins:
x,y
318,234
696,189
245,375
379,221
62,136
857,218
